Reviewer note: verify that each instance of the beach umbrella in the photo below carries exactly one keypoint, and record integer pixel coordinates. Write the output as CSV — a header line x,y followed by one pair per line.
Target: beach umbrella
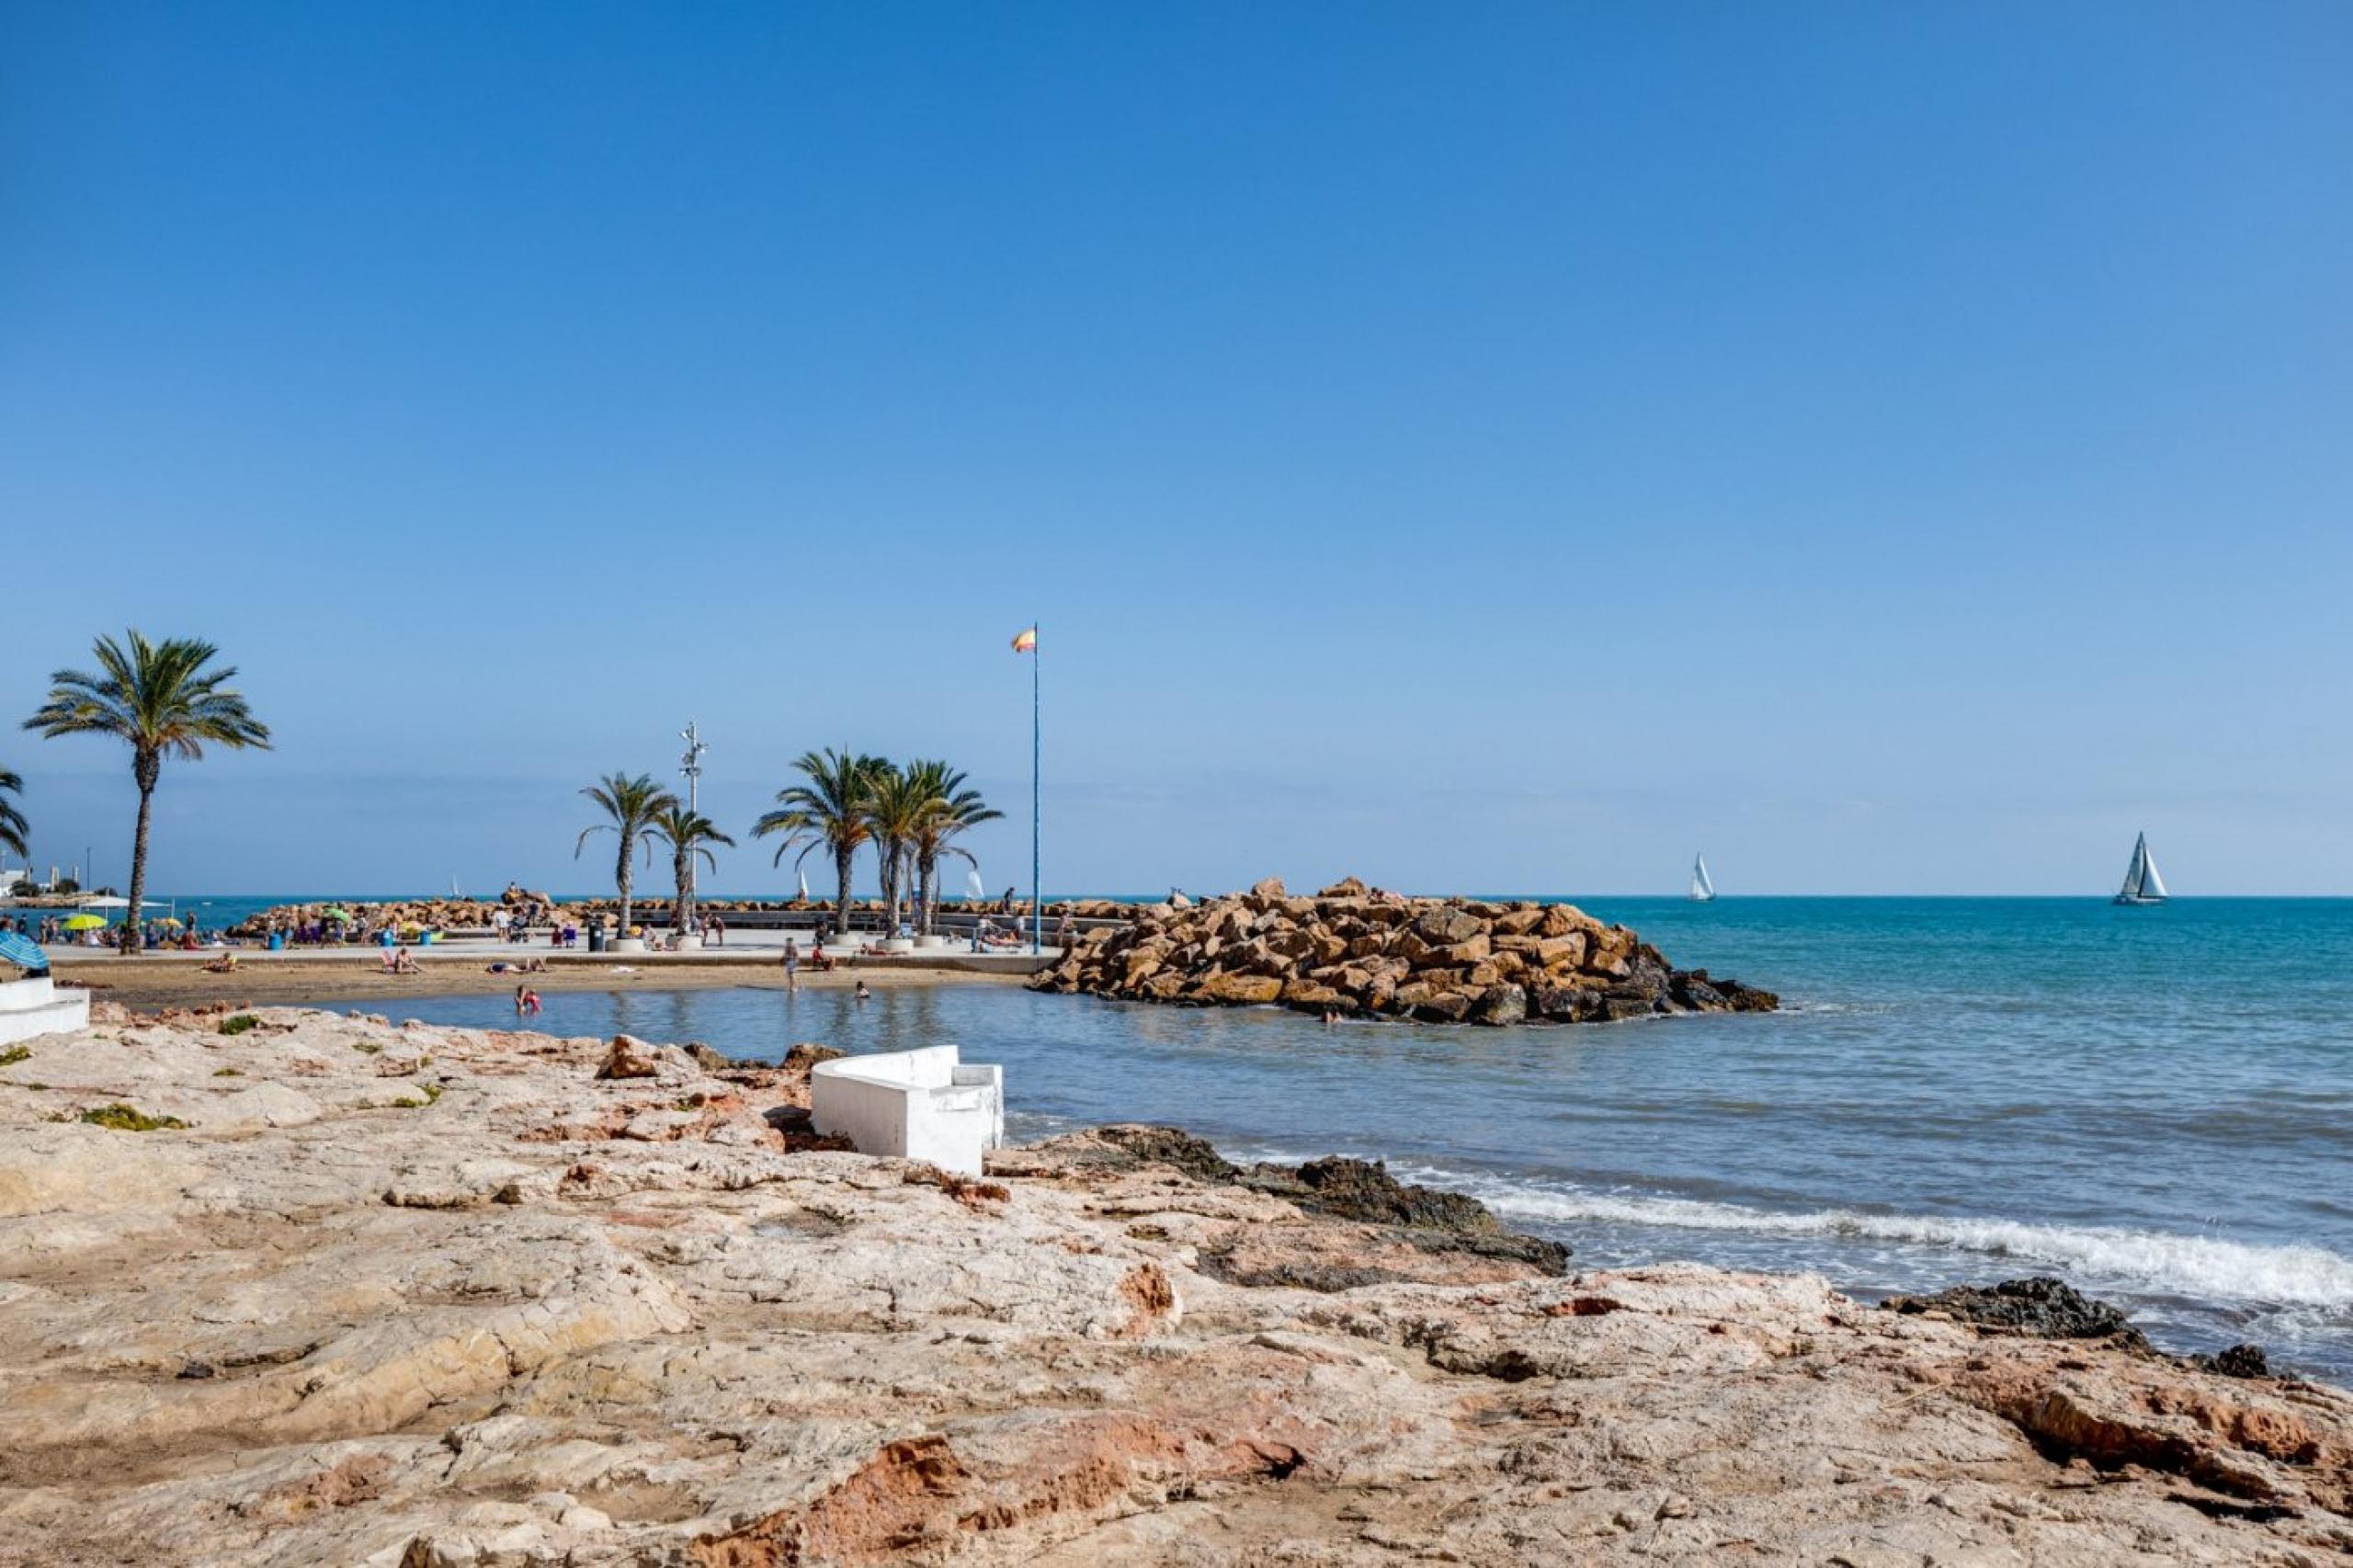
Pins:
x,y
336,911
84,922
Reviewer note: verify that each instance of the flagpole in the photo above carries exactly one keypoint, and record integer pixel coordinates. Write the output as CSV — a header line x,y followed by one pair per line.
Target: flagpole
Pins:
x,y
1036,902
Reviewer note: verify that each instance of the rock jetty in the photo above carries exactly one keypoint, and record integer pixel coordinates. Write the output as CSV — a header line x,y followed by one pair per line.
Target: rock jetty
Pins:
x,y
429,1297
1349,950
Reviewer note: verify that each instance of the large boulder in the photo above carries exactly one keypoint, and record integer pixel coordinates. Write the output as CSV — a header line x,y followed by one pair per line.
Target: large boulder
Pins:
x,y
1238,990
1446,925
1502,1004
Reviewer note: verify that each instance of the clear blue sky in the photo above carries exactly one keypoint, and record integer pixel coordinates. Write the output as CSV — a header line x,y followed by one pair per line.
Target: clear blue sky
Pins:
x,y
1893,448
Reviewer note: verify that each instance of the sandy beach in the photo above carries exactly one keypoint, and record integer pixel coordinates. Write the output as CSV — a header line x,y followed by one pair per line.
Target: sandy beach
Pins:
x,y
182,981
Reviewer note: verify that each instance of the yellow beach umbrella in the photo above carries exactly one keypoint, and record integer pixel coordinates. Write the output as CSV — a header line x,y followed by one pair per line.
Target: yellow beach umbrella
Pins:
x,y
84,922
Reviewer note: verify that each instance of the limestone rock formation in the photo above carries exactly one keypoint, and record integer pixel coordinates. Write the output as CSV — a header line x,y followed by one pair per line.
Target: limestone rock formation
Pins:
x,y
483,1308
1352,952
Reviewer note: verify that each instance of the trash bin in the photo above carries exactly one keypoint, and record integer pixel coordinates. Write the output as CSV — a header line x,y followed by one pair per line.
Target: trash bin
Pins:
x,y
596,938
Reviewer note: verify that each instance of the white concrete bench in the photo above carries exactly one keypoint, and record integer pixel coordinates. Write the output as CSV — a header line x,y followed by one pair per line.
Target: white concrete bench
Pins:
x,y
916,1105
35,1007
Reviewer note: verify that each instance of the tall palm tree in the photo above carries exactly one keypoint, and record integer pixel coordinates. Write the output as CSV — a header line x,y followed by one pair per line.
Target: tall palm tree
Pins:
x,y
951,811
688,834
161,700
829,809
894,813
634,805
13,827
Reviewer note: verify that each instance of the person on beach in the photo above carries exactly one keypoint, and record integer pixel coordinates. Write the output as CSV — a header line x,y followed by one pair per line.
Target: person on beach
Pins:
x,y
526,1000
792,964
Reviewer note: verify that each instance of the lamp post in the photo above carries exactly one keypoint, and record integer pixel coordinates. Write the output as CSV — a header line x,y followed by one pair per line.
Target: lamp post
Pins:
x,y
691,764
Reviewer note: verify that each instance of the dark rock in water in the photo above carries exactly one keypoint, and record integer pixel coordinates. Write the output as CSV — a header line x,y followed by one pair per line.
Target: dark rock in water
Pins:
x,y
2041,1307
1361,1189
1423,1217
1197,1157
1691,989
2238,1361
1567,1003
1502,1004
1447,1008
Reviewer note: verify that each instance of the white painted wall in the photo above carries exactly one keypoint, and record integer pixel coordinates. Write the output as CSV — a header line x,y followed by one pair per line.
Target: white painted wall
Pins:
x,y
915,1105
30,1008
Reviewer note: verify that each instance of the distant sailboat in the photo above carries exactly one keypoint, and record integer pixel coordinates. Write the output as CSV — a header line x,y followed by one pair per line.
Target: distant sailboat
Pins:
x,y
1702,890
2141,883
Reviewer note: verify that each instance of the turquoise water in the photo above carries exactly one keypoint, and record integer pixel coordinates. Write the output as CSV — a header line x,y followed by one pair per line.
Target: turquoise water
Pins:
x,y
2156,1104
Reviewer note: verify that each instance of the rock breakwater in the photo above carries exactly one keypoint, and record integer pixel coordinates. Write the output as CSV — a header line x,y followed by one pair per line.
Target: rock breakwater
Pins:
x,y
1352,952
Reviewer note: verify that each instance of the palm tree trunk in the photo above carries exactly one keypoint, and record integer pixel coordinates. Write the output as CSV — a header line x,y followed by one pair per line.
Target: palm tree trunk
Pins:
x,y
621,877
146,770
682,909
926,875
844,867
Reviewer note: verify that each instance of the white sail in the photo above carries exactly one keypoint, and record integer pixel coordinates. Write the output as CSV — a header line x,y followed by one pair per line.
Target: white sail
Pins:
x,y
804,887
1702,890
2141,883
973,883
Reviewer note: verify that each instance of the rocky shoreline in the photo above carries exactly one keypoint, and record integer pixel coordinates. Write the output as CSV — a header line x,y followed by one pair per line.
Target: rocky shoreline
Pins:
x,y
1350,951
416,1297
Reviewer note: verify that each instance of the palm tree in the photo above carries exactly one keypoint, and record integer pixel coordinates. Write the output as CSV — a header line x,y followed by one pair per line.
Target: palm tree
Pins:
x,y
829,809
688,833
894,813
952,809
12,820
634,805
162,700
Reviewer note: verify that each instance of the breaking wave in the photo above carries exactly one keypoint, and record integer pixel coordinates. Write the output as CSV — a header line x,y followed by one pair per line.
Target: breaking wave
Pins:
x,y
2204,1268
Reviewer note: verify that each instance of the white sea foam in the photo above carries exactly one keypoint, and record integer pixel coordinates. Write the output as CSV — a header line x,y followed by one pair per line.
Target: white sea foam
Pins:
x,y
2200,1267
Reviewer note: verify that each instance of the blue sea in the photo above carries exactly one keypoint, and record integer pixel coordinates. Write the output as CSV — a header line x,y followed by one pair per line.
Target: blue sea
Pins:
x,y
2154,1104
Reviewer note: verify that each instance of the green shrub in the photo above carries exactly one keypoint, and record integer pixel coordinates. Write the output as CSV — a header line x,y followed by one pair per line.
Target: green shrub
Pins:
x,y
15,1054
238,1023
407,1102
129,1119
226,1073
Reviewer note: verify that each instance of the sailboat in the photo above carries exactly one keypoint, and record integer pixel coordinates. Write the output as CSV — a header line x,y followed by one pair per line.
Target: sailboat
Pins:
x,y
2141,883
1702,890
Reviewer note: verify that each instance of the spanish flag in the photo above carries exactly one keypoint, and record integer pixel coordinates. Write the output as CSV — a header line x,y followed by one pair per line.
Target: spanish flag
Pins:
x,y
1026,641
